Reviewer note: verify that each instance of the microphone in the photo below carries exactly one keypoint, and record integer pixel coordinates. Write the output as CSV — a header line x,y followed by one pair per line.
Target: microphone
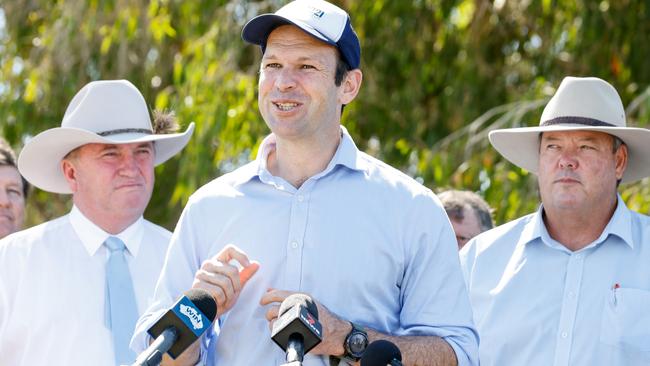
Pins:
x,y
381,353
297,329
181,325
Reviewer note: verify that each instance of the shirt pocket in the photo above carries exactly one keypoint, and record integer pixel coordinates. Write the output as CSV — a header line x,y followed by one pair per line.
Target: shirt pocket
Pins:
x,y
626,320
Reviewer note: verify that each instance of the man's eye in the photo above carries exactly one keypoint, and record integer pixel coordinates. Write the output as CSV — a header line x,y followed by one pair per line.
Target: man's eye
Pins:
x,y
307,67
273,65
586,147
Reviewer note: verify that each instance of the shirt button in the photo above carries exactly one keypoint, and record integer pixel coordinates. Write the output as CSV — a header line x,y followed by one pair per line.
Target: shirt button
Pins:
x,y
579,256
294,245
571,294
301,198
565,334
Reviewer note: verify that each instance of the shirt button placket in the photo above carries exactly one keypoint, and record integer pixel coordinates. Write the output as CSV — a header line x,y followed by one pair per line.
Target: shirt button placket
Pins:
x,y
569,308
297,229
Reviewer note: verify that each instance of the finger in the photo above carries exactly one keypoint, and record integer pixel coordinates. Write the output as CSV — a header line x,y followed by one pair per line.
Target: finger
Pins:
x,y
275,296
216,292
229,271
247,272
231,252
271,324
272,312
216,282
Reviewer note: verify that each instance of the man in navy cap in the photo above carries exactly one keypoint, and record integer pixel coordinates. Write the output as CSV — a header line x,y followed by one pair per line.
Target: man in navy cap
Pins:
x,y
313,214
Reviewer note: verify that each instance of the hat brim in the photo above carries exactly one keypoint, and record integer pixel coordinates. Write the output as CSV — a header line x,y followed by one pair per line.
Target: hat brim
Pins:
x,y
257,30
40,160
521,146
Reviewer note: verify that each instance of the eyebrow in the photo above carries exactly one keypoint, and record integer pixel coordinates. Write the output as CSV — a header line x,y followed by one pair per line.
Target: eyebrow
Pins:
x,y
299,59
115,146
588,139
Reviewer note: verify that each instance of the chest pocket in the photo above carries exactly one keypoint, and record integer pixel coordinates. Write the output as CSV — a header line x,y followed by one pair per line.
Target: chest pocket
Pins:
x,y
626,321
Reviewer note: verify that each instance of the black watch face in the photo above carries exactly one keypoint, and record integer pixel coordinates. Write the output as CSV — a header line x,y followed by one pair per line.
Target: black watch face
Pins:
x,y
357,344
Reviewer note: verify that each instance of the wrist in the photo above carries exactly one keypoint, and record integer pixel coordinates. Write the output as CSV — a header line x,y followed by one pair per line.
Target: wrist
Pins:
x,y
339,336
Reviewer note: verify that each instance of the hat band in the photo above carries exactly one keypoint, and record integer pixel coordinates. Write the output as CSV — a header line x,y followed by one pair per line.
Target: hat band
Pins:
x,y
125,130
577,120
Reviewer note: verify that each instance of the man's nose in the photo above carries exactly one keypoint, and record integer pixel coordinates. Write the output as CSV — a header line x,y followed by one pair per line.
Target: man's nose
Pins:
x,y
568,160
285,80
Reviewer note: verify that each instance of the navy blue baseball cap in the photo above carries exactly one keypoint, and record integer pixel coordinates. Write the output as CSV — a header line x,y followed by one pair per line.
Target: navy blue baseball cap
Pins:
x,y
318,18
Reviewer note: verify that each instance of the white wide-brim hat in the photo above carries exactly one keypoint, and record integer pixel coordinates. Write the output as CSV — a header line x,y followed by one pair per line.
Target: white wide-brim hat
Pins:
x,y
103,112
579,104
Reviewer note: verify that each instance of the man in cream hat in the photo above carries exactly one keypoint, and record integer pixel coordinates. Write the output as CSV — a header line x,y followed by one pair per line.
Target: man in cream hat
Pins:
x,y
570,283
71,289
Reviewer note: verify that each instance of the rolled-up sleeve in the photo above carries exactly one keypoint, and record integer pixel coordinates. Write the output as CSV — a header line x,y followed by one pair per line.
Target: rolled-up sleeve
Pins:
x,y
434,295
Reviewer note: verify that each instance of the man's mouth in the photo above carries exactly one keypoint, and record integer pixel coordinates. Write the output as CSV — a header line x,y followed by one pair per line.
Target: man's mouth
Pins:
x,y
566,180
285,107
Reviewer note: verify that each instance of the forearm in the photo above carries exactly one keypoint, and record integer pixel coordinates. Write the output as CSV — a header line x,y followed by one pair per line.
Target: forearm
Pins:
x,y
420,350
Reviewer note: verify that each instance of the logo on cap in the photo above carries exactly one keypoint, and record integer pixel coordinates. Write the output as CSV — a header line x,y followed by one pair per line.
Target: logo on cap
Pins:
x,y
193,315
317,12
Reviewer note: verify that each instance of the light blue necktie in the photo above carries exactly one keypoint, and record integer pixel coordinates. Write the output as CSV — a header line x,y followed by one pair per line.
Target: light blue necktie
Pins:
x,y
122,311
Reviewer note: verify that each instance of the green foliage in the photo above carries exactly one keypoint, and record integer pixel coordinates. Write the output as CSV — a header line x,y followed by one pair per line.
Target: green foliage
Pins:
x,y
438,75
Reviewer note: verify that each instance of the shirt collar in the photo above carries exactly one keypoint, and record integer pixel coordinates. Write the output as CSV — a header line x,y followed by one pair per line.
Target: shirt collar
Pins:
x,y
619,225
93,237
346,155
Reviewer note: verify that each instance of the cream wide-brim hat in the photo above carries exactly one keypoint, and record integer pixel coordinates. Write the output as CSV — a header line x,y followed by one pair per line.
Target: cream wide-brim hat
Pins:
x,y
579,104
103,112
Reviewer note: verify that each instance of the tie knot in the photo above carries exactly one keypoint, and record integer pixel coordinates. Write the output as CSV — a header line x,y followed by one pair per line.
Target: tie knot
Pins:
x,y
114,244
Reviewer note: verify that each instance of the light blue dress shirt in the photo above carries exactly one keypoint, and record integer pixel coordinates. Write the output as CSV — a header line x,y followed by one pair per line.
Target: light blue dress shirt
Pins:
x,y
537,303
367,241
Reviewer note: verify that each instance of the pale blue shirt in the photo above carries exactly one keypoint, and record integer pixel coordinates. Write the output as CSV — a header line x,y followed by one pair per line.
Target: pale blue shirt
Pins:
x,y
52,288
537,303
365,240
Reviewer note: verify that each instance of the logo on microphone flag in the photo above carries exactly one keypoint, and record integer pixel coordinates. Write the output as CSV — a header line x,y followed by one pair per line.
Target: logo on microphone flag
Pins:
x,y
188,313
193,316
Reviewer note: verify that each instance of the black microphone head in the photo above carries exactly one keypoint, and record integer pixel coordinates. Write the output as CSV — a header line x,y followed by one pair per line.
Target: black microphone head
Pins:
x,y
191,315
204,301
380,353
299,299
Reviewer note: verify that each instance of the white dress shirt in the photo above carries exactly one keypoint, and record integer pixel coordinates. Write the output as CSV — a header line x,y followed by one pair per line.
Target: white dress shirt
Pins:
x,y
365,240
536,303
52,288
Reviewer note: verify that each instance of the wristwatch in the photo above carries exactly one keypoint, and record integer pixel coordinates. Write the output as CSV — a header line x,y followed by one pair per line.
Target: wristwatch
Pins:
x,y
355,343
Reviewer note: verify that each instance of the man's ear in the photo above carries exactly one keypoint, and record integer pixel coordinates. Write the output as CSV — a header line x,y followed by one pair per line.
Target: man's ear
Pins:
x,y
350,86
621,161
70,174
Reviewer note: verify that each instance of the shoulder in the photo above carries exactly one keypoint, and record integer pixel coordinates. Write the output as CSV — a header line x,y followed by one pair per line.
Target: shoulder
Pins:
x,y
37,237
499,239
156,231
378,172
227,184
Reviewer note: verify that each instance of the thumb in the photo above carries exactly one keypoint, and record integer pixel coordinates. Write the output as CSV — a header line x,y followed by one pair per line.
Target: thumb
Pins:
x,y
247,272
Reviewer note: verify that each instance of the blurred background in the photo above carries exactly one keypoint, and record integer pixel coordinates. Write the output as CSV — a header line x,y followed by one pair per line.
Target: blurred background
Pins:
x,y
438,75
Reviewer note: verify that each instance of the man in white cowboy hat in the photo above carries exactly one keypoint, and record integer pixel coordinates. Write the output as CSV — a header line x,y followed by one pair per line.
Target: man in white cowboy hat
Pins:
x,y
570,283
71,289
372,246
